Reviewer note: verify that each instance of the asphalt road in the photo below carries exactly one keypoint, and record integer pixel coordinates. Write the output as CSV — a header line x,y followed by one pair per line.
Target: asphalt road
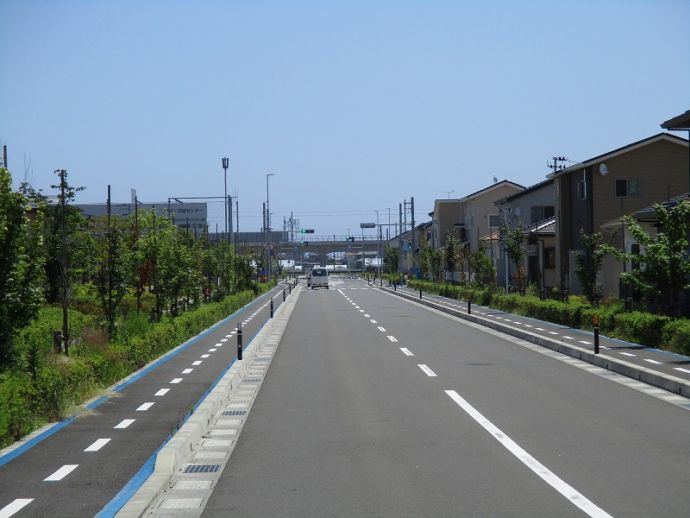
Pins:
x,y
81,468
374,406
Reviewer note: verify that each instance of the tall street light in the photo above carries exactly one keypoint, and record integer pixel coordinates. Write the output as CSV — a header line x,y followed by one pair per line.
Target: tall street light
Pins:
x,y
226,162
268,225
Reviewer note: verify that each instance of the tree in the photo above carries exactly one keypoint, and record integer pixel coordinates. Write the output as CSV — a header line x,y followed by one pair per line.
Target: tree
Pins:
x,y
516,253
431,262
450,253
483,266
662,270
391,258
588,263
21,262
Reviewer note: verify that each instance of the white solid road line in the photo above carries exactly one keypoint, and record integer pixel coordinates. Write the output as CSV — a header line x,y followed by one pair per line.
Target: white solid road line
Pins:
x,y
569,492
681,369
392,338
652,361
61,473
162,392
97,445
14,507
145,406
406,351
426,370
175,380
124,423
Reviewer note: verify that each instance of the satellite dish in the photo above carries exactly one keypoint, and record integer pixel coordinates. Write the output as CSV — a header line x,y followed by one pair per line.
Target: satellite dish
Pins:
x,y
603,169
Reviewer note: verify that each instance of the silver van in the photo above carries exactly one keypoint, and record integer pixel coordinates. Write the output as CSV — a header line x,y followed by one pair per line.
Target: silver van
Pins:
x,y
318,278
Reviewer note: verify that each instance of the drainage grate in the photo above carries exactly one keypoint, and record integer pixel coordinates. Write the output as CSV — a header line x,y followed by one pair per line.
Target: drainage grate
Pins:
x,y
235,412
252,380
202,468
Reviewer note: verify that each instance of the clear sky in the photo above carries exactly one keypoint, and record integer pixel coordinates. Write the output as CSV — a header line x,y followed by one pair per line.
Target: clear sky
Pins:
x,y
353,105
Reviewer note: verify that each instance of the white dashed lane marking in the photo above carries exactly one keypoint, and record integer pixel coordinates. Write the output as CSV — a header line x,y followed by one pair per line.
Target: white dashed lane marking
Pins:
x,y
652,361
392,338
212,350
406,351
373,321
366,315
569,492
681,369
175,380
585,342
539,329
198,362
98,445
204,356
553,333
61,473
187,371
124,423
145,406
162,392
426,370
14,507
568,337
382,329
628,354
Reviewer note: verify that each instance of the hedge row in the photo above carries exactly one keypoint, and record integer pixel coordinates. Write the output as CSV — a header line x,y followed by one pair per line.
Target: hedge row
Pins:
x,y
44,386
638,327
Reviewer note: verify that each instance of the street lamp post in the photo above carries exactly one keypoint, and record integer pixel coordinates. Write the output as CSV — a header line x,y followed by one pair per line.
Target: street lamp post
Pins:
x,y
226,162
378,248
268,225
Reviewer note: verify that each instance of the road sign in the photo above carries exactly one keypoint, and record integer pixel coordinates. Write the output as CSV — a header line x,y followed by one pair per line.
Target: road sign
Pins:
x,y
307,231
367,225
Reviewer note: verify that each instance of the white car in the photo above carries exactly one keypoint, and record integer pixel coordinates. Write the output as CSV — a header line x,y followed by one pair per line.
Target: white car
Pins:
x,y
318,278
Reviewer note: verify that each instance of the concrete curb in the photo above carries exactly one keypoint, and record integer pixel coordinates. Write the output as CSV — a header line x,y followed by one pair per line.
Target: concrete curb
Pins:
x,y
657,379
187,438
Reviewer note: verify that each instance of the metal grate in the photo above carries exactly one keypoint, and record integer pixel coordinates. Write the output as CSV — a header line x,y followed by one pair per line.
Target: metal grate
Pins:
x,y
235,412
202,468
252,380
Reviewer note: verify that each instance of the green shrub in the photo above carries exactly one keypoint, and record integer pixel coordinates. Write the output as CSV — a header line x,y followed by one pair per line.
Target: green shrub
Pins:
x,y
18,416
642,328
676,336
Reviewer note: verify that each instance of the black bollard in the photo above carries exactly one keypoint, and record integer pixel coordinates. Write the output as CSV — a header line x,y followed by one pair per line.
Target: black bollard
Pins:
x,y
469,306
395,287
283,294
271,307
420,293
239,341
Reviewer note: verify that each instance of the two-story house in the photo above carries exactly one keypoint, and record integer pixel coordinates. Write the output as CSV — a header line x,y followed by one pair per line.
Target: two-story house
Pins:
x,y
608,186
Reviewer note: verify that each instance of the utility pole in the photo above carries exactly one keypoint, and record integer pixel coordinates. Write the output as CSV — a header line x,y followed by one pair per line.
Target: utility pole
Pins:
x,y
237,222
556,159
229,204
414,248
65,280
4,156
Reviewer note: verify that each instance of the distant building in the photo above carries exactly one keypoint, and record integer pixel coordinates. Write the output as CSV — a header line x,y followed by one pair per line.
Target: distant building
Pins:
x,y
192,216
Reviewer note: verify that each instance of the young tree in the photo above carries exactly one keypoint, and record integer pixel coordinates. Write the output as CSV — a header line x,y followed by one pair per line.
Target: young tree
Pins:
x,y
21,262
450,253
588,263
391,258
516,253
483,266
662,271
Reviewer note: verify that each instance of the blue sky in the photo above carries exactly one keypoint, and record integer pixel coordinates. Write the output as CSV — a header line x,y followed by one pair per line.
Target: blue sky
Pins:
x,y
353,105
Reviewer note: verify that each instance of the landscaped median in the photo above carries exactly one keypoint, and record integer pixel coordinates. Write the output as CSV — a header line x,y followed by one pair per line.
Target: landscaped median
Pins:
x,y
47,386
643,328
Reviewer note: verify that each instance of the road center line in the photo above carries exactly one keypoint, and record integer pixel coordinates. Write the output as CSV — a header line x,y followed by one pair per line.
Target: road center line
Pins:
x,y
14,507
97,445
124,423
61,473
392,338
569,492
426,370
406,351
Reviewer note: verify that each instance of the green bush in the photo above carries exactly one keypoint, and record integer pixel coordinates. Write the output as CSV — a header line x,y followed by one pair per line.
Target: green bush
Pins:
x,y
676,336
18,416
642,328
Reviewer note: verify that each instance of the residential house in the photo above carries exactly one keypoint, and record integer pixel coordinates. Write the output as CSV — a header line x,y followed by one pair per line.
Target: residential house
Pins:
x,y
533,209
593,192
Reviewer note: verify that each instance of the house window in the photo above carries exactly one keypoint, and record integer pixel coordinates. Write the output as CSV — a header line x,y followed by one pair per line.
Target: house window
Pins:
x,y
627,187
494,220
549,257
581,190
542,213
